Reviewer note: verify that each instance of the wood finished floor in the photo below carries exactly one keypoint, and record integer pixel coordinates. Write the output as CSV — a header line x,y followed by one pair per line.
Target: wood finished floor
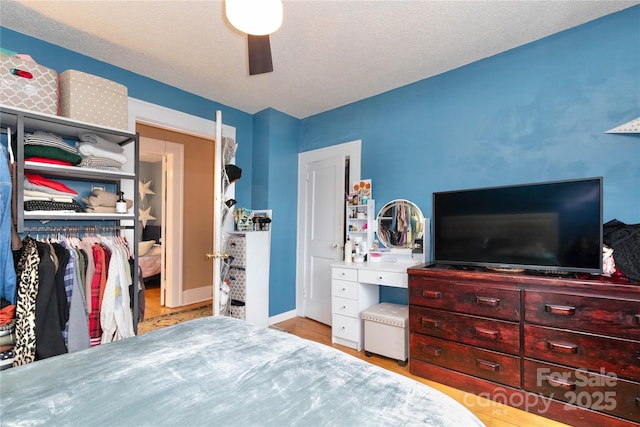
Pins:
x,y
154,309
491,413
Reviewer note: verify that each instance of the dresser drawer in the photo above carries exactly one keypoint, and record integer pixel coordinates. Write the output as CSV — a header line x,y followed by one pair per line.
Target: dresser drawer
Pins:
x,y
344,289
344,274
604,393
388,278
489,365
346,327
345,306
498,335
480,300
580,350
585,313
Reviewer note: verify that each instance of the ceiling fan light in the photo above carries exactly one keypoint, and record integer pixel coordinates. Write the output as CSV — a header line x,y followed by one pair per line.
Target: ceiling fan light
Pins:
x,y
257,17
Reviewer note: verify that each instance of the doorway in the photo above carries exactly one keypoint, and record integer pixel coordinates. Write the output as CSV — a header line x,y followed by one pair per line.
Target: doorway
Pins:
x,y
161,201
321,185
197,287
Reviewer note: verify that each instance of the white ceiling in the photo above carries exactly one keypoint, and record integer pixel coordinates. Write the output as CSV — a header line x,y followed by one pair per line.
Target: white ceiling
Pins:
x,y
326,54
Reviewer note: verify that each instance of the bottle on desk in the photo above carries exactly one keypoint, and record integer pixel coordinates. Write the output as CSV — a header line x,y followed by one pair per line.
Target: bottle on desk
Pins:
x,y
348,251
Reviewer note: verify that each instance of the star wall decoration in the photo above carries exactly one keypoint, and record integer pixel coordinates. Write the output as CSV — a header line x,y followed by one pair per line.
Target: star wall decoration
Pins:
x,y
144,188
145,215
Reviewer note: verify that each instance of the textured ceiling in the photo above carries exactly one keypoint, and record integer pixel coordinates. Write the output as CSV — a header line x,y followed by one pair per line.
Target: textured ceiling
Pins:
x,y
326,54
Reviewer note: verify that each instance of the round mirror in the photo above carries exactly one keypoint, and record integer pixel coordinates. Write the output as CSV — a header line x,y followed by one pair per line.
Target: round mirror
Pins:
x,y
400,224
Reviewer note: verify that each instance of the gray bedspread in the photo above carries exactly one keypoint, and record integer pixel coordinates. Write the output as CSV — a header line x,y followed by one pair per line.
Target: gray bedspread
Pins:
x,y
218,371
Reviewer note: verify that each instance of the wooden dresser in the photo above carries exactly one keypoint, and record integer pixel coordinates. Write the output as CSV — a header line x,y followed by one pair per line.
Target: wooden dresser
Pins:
x,y
566,349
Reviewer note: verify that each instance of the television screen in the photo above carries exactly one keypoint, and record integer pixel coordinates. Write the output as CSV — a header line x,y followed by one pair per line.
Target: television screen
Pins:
x,y
551,226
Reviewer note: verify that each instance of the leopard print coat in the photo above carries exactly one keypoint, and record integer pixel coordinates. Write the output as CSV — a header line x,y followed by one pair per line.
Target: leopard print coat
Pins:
x,y
27,289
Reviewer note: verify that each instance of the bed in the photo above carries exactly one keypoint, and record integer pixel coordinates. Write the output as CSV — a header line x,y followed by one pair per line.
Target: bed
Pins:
x,y
150,253
219,371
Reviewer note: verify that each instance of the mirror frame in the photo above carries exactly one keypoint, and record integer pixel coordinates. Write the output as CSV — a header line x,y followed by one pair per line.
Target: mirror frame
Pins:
x,y
416,231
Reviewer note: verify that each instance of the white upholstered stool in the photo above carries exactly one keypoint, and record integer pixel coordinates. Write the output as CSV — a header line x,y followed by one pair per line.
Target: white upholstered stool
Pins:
x,y
386,331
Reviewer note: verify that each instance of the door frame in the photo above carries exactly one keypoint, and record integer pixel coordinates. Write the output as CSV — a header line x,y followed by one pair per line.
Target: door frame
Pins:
x,y
172,155
176,121
350,149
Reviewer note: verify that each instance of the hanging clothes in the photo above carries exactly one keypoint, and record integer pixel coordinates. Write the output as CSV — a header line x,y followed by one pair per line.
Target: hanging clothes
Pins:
x,y
25,346
52,311
77,329
116,318
7,270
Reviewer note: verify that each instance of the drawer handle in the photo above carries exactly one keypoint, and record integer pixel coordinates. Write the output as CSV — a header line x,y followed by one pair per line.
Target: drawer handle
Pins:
x,y
344,289
430,322
487,333
380,278
493,302
487,365
637,319
561,383
638,402
433,350
344,307
432,294
562,347
563,310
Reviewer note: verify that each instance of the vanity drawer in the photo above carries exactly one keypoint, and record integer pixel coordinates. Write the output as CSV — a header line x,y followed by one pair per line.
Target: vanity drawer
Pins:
x,y
580,350
346,327
486,301
585,313
344,306
341,288
344,274
490,365
604,393
387,278
492,334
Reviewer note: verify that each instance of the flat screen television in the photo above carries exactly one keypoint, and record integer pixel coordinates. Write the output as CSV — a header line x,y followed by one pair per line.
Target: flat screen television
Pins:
x,y
549,226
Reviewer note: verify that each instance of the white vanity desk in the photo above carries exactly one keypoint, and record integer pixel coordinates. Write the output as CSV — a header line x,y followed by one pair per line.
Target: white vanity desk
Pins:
x,y
354,288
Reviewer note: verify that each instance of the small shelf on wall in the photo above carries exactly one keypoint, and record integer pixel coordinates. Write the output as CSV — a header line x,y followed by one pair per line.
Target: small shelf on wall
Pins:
x,y
630,127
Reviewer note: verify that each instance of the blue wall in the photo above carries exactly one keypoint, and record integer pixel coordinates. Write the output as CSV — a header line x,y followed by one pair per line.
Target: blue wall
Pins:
x,y
534,113
275,187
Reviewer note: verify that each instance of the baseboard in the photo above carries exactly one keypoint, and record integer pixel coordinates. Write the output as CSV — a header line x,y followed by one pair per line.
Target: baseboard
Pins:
x,y
282,317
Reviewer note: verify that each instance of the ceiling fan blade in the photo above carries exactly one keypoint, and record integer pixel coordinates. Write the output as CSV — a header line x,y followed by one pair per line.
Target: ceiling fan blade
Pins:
x,y
259,54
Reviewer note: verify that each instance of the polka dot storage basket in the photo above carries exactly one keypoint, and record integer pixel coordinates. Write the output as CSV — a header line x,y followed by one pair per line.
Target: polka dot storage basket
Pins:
x,y
93,99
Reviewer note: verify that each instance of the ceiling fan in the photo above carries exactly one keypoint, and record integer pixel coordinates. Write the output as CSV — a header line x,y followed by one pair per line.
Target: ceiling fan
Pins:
x,y
258,19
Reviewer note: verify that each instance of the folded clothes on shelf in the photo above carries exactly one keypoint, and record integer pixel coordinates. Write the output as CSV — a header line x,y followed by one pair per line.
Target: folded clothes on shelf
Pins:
x,y
45,145
46,139
40,195
28,185
51,153
90,150
46,182
102,198
100,163
42,205
98,142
